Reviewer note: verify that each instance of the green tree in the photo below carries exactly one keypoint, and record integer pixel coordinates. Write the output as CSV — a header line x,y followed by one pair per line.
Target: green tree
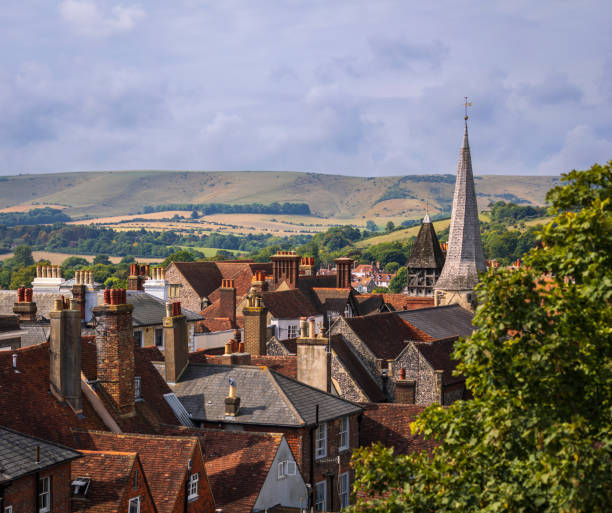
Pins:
x,y
391,267
399,281
390,226
101,259
371,226
538,434
22,256
23,276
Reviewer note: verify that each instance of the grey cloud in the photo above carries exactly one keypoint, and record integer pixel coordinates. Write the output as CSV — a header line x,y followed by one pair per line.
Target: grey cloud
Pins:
x,y
404,55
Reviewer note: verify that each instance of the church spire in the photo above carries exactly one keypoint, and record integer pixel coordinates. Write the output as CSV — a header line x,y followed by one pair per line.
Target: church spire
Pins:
x,y
464,258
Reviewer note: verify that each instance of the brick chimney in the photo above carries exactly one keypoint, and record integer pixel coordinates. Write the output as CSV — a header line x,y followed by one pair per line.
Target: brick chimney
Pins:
x,y
227,300
405,389
307,266
25,308
65,353
137,276
344,268
175,342
255,325
285,267
115,343
313,358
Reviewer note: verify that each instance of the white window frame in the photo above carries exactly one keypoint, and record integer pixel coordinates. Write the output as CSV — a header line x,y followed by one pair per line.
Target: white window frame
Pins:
x,y
44,494
345,490
292,331
321,441
320,503
285,469
134,501
8,509
137,387
345,432
192,487
348,311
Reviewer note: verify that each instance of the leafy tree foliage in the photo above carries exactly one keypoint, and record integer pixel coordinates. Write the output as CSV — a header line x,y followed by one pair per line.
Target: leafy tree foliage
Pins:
x,y
23,256
538,434
399,281
371,226
37,216
101,259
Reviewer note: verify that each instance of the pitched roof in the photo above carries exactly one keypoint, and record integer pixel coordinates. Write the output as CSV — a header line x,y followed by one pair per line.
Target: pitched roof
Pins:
x,y
164,460
237,464
441,321
369,303
426,252
18,454
110,474
331,299
289,304
384,334
389,424
438,355
150,310
401,302
355,368
267,397
286,365
203,277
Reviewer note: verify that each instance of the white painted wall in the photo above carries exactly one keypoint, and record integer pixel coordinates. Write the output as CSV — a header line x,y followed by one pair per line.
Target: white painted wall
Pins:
x,y
289,492
281,326
212,340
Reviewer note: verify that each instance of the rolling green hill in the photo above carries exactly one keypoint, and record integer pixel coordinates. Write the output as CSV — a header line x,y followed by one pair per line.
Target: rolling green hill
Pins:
x,y
95,194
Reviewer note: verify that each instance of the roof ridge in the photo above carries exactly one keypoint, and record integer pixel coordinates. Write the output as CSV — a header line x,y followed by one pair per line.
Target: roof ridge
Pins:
x,y
273,377
114,453
135,435
48,442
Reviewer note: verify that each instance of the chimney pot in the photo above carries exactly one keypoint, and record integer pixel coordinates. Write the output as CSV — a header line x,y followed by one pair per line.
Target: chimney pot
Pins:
x,y
21,294
311,328
228,347
58,305
241,347
29,295
107,296
402,373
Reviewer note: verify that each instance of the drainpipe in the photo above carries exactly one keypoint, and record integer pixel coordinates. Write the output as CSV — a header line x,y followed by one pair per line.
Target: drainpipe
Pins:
x,y
312,456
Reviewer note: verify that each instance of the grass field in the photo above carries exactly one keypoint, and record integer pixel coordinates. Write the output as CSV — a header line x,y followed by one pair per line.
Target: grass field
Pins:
x,y
400,234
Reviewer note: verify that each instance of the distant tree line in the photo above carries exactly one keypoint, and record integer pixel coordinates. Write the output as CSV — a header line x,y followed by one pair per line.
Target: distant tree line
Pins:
x,y
225,208
505,213
44,215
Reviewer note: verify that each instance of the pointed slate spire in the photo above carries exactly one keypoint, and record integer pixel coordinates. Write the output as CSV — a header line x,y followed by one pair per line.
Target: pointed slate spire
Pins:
x,y
426,252
464,258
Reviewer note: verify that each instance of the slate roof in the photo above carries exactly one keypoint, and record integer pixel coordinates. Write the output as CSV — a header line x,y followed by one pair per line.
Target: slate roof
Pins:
x,y
286,365
331,299
438,355
237,464
355,368
266,397
385,334
289,304
110,484
441,321
18,454
150,310
164,460
426,252
389,423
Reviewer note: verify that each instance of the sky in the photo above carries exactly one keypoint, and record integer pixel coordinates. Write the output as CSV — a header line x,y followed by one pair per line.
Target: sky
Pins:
x,y
367,88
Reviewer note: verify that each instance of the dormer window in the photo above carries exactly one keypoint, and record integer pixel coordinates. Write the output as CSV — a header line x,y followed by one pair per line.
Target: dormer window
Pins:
x,y
192,486
134,506
348,311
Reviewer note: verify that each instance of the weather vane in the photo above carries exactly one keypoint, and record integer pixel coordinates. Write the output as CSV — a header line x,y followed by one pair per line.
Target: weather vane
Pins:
x,y
466,104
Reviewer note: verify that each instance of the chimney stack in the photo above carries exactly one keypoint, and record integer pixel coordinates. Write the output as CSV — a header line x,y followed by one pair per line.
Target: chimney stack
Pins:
x,y
137,277
232,401
307,266
285,267
227,300
115,345
313,358
65,354
175,342
344,268
405,389
255,325
25,308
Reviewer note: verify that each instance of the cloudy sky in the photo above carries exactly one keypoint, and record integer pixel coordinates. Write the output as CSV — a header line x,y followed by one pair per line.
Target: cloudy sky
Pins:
x,y
365,88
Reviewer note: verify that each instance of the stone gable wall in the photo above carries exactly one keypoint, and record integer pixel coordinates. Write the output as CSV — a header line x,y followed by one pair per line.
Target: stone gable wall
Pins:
x,y
347,387
186,295
419,370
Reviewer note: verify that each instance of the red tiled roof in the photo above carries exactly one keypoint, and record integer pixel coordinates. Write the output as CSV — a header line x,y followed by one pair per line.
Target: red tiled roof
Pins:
x,y
286,365
438,355
404,302
384,334
389,424
216,324
237,464
289,304
204,277
164,460
355,368
110,485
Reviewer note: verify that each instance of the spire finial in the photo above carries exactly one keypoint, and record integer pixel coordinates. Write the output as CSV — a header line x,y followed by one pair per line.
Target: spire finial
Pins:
x,y
426,218
466,105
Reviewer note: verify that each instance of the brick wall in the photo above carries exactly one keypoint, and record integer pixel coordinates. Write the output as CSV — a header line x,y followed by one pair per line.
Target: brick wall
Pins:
x,y
146,501
205,502
21,494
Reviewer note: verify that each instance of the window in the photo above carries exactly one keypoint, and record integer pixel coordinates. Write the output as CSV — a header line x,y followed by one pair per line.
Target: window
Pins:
x,y
173,290
321,441
134,505
292,331
348,311
286,468
344,489
192,486
159,337
321,496
8,509
138,338
44,495
137,387
344,433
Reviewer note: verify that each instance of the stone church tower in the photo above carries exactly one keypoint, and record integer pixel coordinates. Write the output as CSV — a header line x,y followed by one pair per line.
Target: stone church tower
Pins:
x,y
425,262
464,258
